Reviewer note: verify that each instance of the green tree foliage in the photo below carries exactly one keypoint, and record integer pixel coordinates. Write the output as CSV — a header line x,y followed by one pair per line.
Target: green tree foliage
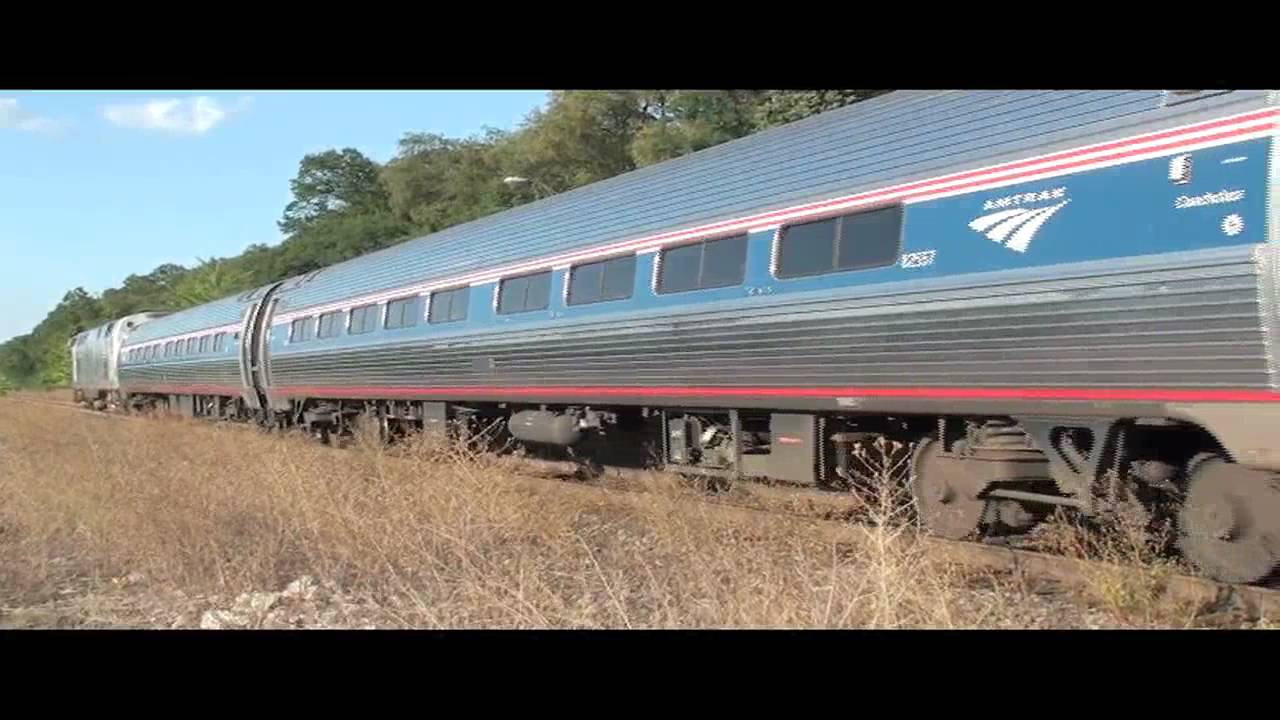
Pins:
x,y
139,293
345,204
330,183
211,280
335,239
42,357
687,121
781,107
434,181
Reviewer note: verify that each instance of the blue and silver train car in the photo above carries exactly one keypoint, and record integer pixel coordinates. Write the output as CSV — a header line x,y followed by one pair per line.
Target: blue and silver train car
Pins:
x,y
196,361
95,357
1041,289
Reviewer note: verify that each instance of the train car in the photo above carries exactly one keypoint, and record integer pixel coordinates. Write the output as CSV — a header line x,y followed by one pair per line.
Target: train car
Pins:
x,y
95,355
195,361
1043,291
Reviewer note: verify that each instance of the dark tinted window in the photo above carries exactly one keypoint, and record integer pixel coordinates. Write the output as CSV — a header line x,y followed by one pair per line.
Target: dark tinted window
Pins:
x,y
301,330
402,313
849,242
681,267
525,293
191,346
708,264
330,324
869,239
204,344
449,305
613,279
364,319
219,340
807,249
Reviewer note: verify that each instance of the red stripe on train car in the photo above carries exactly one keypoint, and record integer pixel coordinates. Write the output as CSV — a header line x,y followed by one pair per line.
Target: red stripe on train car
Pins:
x,y
1086,394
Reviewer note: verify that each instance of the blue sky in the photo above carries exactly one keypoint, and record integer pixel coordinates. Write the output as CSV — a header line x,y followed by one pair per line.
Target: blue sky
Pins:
x,y
96,186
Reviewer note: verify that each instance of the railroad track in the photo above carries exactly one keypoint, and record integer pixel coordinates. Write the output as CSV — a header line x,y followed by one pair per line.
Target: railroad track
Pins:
x,y
1251,600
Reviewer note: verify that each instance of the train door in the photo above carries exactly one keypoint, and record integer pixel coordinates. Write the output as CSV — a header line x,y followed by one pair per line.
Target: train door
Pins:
x,y
253,339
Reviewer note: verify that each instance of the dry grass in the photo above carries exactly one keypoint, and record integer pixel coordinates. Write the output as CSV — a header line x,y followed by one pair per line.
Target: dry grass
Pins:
x,y
1125,560
424,535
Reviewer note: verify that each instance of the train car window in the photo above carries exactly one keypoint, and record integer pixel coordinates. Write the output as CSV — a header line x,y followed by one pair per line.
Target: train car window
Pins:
x,y
330,324
204,344
525,293
219,342
449,305
849,242
177,348
612,279
168,348
300,331
363,319
703,265
191,346
402,313
870,239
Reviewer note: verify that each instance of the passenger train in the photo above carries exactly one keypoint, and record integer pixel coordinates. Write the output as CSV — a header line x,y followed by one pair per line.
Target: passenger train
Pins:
x,y
1043,292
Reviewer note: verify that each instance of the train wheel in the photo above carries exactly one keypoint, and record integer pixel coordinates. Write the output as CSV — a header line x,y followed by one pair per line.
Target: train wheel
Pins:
x,y
945,506
1229,523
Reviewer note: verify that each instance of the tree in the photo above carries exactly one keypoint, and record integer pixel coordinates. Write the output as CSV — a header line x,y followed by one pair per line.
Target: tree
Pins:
x,y
336,238
331,182
139,293
581,137
686,121
435,182
784,106
212,280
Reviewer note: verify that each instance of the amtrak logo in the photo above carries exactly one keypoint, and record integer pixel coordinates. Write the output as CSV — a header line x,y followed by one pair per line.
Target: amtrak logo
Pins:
x,y
1017,227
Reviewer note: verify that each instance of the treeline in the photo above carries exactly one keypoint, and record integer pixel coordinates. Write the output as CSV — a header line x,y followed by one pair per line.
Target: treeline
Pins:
x,y
345,204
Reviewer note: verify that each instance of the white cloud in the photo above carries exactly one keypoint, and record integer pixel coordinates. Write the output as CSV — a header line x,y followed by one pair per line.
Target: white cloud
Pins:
x,y
189,116
14,116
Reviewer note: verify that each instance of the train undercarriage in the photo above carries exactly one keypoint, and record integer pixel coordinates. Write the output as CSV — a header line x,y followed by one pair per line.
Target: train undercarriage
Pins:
x,y
969,476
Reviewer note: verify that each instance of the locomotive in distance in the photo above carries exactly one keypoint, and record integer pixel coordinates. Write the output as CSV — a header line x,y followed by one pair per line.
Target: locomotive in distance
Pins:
x,y
758,308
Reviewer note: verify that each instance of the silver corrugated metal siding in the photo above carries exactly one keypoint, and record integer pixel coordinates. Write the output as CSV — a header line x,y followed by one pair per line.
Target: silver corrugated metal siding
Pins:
x,y
223,371
1190,321
896,138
